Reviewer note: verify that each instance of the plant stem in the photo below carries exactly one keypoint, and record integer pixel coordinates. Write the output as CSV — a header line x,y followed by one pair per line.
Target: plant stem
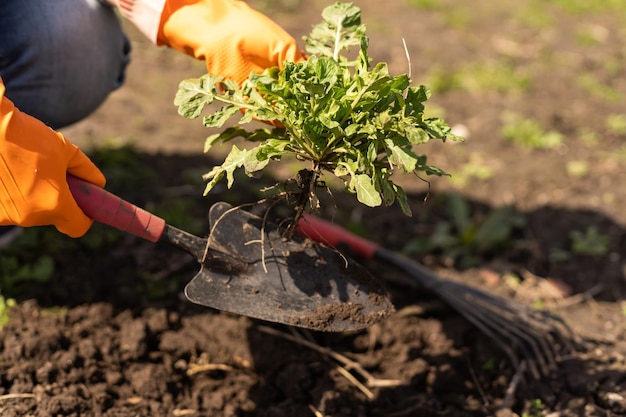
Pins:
x,y
240,104
298,137
307,190
337,38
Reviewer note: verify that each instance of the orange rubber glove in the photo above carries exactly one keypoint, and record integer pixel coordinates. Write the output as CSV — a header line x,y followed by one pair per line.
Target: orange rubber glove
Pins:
x,y
233,39
34,162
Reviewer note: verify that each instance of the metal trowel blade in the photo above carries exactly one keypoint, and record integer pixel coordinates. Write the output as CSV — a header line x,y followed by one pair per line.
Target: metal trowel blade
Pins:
x,y
291,281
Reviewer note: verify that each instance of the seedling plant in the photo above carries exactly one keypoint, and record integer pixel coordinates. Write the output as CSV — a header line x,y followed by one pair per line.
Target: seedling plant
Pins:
x,y
6,304
465,238
590,242
334,112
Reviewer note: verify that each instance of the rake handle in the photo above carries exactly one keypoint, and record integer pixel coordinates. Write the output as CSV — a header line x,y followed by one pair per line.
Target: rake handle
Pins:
x,y
328,233
323,231
107,208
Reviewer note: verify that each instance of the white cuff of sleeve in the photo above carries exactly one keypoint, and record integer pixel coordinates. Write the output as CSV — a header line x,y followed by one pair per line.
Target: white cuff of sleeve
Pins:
x,y
145,14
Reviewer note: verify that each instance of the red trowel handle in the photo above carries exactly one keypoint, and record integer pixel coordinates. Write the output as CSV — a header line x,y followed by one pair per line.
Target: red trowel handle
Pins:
x,y
107,208
328,233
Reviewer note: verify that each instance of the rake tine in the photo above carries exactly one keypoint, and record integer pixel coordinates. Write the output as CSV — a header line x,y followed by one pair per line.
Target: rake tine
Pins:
x,y
555,324
521,326
497,313
570,340
529,336
550,324
496,332
532,331
486,328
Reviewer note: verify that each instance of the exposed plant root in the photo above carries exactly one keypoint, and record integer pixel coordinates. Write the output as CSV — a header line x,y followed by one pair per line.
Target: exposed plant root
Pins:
x,y
208,367
346,374
202,364
184,412
15,396
305,201
232,209
347,365
306,182
315,411
262,240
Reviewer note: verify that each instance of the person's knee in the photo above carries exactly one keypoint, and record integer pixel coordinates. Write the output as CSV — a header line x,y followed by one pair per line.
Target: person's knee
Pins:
x,y
62,69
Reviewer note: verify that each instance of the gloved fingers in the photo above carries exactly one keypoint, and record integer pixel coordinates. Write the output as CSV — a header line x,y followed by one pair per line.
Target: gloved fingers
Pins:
x,y
231,37
34,164
238,56
79,165
70,219
55,205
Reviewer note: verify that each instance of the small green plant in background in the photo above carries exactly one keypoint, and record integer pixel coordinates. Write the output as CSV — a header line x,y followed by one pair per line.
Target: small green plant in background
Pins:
x,y
474,170
272,6
479,77
426,4
577,168
465,238
535,16
529,133
590,242
459,17
442,81
455,15
24,262
592,35
489,365
536,409
6,304
54,311
614,66
589,137
589,6
13,271
498,76
616,124
597,88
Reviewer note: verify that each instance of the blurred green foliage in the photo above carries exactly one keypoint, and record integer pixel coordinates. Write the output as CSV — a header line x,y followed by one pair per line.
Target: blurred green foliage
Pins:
x,y
466,238
589,242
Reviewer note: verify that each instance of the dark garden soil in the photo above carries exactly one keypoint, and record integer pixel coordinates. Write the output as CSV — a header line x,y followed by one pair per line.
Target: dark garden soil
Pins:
x,y
111,334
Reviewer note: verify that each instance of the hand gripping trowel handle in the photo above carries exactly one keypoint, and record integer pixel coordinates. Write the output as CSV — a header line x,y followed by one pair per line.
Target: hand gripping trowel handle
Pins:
x,y
107,208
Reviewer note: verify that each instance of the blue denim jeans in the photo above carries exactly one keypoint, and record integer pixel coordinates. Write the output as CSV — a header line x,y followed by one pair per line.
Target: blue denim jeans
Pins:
x,y
60,59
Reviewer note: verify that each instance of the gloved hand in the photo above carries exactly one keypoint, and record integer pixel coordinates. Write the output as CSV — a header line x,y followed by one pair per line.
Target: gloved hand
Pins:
x,y
233,39
34,163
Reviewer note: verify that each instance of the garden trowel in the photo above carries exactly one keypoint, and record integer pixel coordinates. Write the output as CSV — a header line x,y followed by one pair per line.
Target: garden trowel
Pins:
x,y
248,267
